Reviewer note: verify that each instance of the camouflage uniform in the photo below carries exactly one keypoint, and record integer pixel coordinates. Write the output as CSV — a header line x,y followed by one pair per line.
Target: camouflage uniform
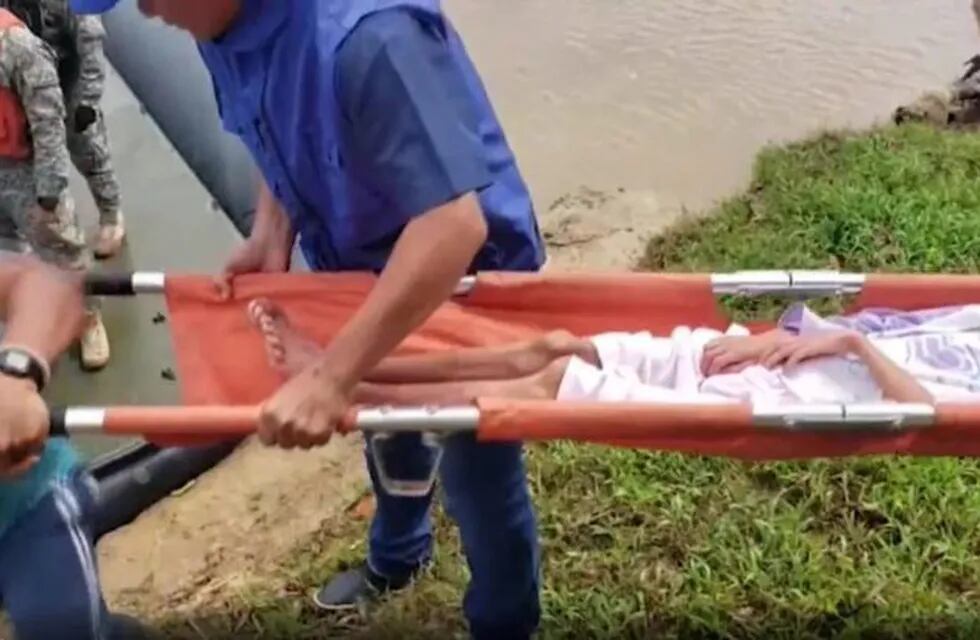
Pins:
x,y
27,67
77,43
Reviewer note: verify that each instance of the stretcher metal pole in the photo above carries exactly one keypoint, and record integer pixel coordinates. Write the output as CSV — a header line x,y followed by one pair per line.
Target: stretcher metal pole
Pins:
x,y
433,425
801,283
746,283
862,417
222,421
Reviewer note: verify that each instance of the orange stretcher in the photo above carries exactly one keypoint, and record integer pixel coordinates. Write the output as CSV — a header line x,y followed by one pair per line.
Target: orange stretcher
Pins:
x,y
223,375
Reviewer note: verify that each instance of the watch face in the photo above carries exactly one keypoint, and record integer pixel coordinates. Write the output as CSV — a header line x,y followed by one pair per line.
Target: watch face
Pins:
x,y
17,361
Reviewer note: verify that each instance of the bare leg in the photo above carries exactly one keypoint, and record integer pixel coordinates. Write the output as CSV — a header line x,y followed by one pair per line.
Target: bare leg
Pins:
x,y
289,352
542,385
483,364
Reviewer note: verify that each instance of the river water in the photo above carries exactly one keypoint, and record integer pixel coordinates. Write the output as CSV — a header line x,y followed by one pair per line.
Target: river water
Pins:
x,y
678,96
669,97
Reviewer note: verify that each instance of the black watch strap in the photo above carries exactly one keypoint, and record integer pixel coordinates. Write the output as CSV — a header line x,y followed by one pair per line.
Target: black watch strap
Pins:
x,y
21,363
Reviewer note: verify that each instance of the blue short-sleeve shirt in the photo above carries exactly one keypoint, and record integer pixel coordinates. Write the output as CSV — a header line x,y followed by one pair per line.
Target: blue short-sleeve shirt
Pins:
x,y
407,119
390,107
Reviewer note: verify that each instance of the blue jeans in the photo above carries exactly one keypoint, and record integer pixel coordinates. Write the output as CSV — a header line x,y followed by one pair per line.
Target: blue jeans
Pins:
x,y
49,583
486,493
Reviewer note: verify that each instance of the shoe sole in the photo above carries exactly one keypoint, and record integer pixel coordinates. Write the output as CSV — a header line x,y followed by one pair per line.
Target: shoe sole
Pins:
x,y
322,606
101,255
91,368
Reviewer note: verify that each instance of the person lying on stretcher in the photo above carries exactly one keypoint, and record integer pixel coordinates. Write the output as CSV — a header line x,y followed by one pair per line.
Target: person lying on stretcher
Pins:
x,y
872,356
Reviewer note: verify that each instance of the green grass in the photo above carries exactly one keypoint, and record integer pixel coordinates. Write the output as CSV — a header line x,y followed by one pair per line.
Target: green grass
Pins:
x,y
640,545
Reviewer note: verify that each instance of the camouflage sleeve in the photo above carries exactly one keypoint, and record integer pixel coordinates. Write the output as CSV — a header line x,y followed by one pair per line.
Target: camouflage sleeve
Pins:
x,y
91,78
35,80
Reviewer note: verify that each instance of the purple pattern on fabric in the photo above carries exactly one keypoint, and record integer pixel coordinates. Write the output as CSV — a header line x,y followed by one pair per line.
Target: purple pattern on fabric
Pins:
x,y
941,353
792,318
875,320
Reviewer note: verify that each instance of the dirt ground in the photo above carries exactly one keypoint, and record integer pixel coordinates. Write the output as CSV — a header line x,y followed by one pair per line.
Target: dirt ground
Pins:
x,y
233,524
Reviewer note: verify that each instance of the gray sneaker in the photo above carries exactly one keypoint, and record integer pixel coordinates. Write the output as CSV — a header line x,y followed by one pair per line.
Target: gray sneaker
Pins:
x,y
356,587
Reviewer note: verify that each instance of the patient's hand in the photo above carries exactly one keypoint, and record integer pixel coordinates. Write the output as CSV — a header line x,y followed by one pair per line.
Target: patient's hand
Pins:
x,y
731,354
798,349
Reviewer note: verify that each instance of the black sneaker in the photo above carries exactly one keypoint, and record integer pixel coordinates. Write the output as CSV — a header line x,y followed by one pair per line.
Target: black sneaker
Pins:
x,y
356,587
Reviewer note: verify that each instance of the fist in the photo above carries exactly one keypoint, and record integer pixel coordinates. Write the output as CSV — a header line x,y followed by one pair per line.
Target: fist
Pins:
x,y
304,413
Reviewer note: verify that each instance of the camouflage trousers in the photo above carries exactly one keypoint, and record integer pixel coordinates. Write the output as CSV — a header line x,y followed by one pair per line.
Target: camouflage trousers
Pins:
x,y
89,150
53,236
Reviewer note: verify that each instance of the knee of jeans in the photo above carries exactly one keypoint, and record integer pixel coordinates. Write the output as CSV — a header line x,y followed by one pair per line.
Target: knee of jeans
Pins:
x,y
487,484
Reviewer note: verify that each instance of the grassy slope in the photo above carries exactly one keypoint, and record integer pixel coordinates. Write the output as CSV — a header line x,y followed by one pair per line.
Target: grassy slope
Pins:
x,y
636,543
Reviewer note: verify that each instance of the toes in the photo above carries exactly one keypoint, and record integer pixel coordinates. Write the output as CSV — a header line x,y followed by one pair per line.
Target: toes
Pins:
x,y
258,310
268,326
275,354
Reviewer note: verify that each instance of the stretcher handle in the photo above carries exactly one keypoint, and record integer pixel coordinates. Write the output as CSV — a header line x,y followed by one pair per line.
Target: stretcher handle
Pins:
x,y
155,282
175,425
125,284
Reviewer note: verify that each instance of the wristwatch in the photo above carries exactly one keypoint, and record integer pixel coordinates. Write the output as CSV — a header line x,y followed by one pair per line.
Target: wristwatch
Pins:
x,y
21,363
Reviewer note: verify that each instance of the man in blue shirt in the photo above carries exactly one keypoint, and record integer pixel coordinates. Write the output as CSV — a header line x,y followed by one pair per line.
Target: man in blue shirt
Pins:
x,y
381,151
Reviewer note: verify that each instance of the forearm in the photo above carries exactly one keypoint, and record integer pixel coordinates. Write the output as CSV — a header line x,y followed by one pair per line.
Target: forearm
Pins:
x,y
895,382
271,226
43,307
432,254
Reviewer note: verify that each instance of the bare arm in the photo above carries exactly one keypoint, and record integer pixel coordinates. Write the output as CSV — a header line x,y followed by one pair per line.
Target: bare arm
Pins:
x,y
43,311
509,361
272,226
269,246
896,383
42,306
430,257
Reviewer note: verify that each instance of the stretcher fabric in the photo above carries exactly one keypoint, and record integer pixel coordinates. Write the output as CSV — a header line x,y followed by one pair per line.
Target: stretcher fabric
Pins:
x,y
221,359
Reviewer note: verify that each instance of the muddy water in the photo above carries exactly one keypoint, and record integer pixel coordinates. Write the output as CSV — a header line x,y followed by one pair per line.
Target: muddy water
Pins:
x,y
677,96
671,98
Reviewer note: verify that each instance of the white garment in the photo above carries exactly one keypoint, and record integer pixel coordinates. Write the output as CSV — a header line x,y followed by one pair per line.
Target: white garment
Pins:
x,y
640,367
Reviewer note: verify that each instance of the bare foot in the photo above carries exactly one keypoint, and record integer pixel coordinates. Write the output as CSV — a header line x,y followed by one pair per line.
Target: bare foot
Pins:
x,y
544,384
561,343
288,351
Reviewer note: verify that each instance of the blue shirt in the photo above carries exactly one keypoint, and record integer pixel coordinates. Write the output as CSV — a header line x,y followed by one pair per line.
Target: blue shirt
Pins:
x,y
408,120
361,118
